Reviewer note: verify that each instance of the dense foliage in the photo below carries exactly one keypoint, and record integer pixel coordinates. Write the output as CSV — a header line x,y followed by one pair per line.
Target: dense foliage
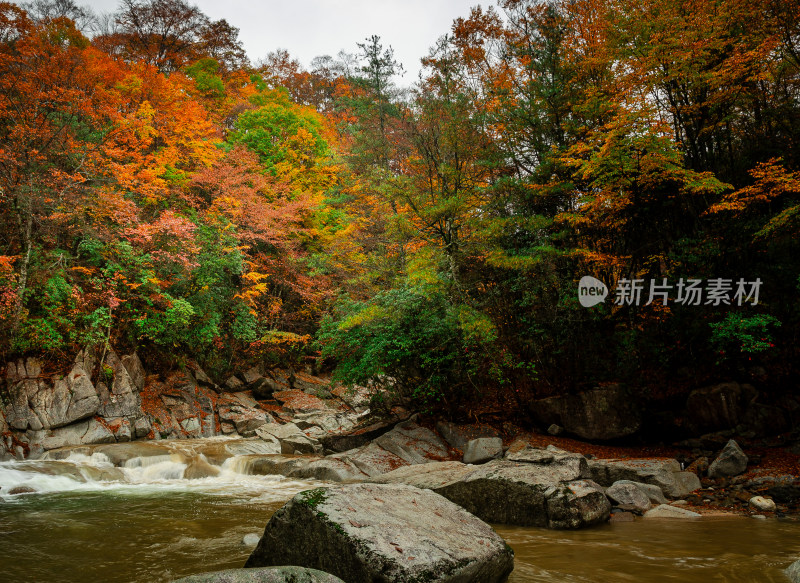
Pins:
x,y
160,192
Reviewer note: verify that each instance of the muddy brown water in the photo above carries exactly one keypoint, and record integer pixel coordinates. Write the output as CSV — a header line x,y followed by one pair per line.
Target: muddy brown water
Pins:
x,y
156,527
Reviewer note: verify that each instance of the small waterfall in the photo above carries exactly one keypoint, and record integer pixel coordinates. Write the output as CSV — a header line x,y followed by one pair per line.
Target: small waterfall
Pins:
x,y
144,470
148,468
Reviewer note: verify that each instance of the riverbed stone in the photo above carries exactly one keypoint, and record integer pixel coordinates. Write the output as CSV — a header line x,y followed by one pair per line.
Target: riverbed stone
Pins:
x,y
628,494
576,505
548,495
667,511
251,540
793,572
483,449
731,461
653,492
383,532
762,504
664,473
281,574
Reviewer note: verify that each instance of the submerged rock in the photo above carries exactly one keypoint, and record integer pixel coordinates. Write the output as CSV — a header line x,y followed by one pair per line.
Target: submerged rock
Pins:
x,y
263,575
793,572
383,532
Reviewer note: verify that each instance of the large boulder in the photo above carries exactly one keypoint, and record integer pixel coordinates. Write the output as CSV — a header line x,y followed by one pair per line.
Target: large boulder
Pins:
x,y
608,412
553,493
81,433
731,461
263,575
721,406
525,494
383,532
68,400
414,444
664,473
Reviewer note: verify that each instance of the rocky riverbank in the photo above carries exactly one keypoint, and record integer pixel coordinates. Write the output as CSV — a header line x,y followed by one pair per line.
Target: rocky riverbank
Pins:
x,y
299,425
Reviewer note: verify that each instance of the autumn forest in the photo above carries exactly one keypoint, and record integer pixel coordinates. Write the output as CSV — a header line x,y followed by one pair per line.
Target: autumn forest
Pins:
x,y
160,192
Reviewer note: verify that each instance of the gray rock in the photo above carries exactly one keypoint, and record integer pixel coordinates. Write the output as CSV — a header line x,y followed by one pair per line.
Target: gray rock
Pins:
x,y
429,476
246,420
281,431
603,413
356,437
191,425
96,432
629,494
267,445
762,504
458,435
372,459
123,398
664,473
299,444
142,427
251,540
555,429
731,461
654,493
576,505
549,495
554,494
667,511
135,370
793,572
686,482
720,406
483,449
383,532
328,470
413,443
82,433
263,575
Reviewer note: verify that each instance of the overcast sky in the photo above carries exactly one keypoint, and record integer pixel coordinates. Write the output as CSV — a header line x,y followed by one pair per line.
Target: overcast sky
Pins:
x,y
309,28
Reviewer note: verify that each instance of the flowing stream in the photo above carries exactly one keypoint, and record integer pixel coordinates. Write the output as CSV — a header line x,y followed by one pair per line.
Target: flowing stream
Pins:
x,y
139,519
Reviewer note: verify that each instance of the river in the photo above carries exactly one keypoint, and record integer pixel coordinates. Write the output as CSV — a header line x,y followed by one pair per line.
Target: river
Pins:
x,y
86,520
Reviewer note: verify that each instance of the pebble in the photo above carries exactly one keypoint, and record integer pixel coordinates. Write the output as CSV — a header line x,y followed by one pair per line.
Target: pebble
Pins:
x,y
251,539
